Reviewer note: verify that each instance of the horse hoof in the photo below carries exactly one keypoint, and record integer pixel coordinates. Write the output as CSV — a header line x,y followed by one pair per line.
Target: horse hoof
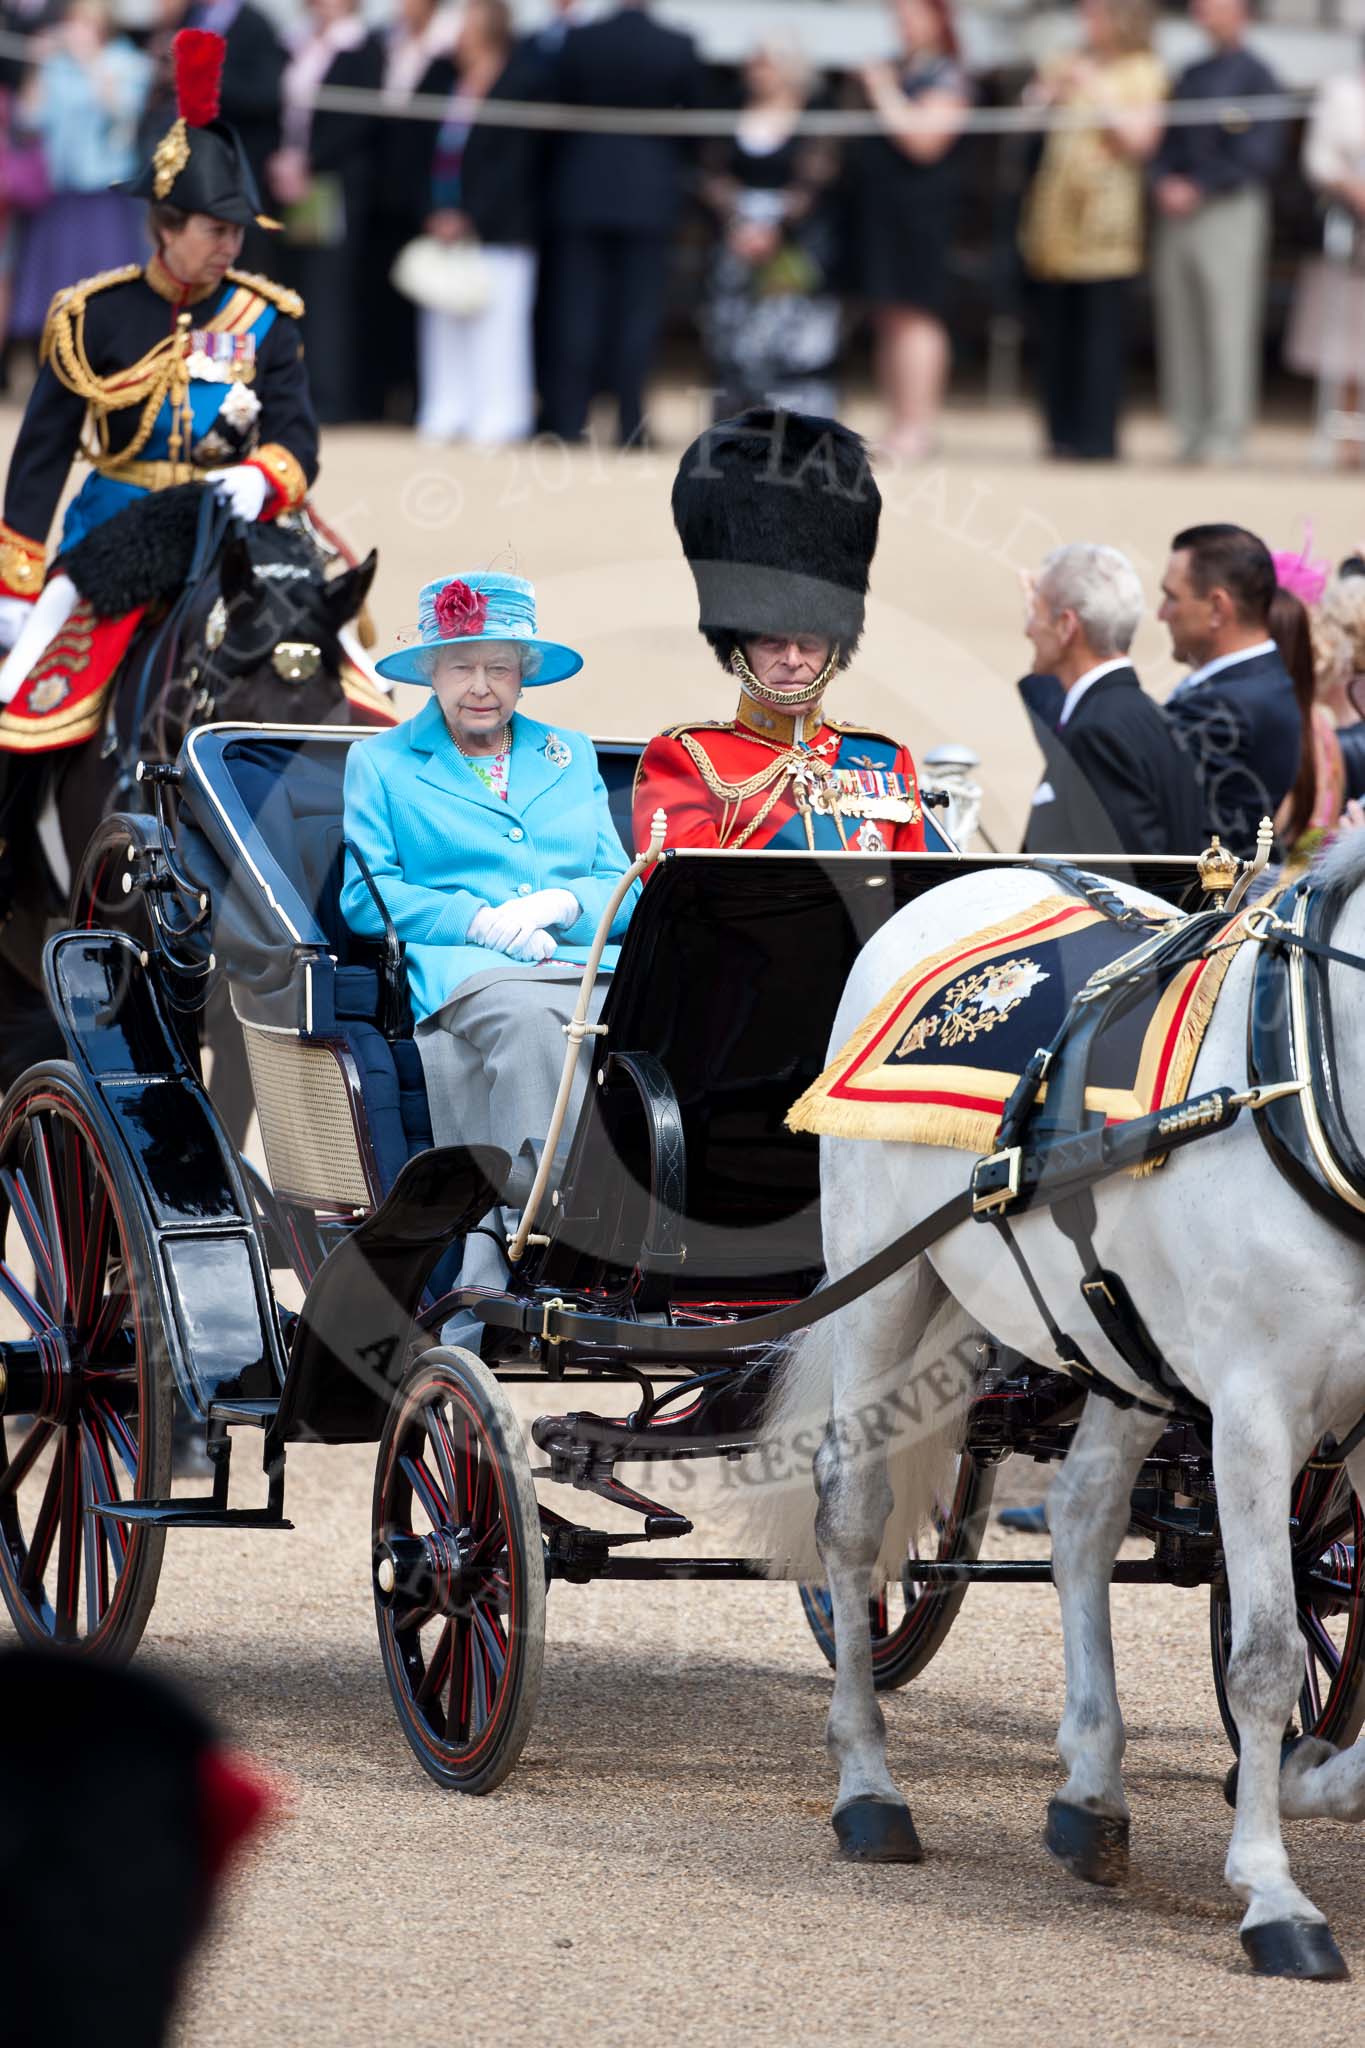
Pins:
x,y
1295,1948
1089,1845
877,1831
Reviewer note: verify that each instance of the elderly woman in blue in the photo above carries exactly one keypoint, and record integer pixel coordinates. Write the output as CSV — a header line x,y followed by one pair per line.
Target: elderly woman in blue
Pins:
x,y
489,838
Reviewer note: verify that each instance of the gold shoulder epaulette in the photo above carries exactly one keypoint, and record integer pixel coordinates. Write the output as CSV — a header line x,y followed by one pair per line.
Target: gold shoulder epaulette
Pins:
x,y
72,297
866,732
677,732
280,296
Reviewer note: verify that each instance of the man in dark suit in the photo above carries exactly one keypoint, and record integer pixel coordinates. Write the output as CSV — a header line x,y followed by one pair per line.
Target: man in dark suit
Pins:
x,y
613,210
1114,779
1236,715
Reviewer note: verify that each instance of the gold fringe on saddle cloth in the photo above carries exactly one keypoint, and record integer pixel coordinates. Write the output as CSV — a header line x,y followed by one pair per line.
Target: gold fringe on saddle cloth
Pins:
x,y
920,1100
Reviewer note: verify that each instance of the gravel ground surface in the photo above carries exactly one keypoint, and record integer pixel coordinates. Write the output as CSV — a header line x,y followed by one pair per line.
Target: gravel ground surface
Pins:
x,y
661,1863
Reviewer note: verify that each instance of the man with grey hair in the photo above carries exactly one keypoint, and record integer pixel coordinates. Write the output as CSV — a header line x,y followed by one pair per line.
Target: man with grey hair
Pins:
x,y
1115,780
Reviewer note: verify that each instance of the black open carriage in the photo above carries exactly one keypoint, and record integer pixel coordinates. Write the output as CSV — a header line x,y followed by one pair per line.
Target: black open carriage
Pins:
x,y
139,1253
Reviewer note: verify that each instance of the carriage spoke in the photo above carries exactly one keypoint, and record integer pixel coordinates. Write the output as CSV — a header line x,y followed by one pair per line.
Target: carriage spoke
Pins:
x,y
121,1438
104,1482
493,1640
44,1531
1318,1641
96,1569
478,1676
25,1458
433,1681
117,1307
25,1212
18,1297
438,1436
69,1538
95,1258
59,1251
425,1487
457,1714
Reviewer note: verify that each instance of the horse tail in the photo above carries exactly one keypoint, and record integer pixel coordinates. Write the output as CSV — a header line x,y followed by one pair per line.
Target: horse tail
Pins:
x,y
915,1353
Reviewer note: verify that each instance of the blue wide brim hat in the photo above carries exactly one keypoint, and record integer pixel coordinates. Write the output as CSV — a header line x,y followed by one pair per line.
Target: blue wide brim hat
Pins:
x,y
460,611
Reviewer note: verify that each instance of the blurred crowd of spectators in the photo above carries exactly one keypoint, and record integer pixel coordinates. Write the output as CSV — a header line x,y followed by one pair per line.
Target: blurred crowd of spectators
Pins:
x,y
533,265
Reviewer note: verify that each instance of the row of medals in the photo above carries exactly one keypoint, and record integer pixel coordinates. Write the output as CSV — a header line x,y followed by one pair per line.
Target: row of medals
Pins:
x,y
852,792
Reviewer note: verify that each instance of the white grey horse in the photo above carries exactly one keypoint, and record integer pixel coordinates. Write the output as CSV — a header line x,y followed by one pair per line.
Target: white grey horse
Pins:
x,y
1255,1301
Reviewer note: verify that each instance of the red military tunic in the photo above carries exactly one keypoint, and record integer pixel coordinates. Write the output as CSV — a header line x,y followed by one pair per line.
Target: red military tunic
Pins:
x,y
761,780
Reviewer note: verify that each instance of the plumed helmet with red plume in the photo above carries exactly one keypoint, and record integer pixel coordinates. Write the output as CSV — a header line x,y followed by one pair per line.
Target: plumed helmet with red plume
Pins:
x,y
199,164
197,55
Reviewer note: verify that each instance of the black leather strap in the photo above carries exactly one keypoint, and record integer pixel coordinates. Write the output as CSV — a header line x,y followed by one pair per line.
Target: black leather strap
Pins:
x,y
646,1340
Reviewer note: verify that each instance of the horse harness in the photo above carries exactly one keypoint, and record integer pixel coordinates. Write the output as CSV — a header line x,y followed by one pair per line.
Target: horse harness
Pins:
x,y
1054,1152
1293,1086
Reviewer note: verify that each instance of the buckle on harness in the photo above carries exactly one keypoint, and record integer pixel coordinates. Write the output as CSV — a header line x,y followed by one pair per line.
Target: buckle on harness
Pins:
x,y
995,1181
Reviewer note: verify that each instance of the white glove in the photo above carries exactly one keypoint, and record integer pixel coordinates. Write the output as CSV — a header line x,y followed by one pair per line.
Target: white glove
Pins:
x,y
520,926
14,616
537,945
41,622
242,487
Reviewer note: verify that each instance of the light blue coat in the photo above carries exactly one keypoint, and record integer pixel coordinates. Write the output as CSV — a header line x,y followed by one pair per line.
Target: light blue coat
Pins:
x,y
440,844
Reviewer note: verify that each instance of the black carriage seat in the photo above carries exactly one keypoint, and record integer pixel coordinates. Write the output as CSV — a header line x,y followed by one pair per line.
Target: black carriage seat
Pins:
x,y
282,791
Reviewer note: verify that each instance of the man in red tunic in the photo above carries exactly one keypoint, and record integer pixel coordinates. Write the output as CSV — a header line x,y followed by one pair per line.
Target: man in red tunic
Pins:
x,y
777,513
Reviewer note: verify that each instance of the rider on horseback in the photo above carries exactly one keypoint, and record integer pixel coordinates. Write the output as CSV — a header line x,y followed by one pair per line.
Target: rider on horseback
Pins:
x,y
185,370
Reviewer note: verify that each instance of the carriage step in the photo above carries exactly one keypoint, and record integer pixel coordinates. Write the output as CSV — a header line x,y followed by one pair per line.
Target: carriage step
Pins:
x,y
252,1414
193,1512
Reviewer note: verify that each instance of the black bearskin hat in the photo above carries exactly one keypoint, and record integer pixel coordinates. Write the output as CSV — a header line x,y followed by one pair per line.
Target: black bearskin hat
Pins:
x,y
777,513
199,164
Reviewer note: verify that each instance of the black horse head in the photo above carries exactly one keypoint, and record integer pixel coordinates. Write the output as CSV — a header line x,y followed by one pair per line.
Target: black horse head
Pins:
x,y
261,638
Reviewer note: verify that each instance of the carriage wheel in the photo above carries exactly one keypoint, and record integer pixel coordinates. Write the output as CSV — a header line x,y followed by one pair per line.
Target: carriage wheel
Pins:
x,y
910,1621
1328,1534
86,1400
459,1571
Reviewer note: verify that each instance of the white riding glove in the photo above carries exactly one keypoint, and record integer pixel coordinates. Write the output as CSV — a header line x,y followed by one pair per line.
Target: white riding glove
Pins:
x,y
242,487
14,616
41,623
520,926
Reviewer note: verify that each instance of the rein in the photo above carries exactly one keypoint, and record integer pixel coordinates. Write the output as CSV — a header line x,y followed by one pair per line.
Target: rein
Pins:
x,y
214,520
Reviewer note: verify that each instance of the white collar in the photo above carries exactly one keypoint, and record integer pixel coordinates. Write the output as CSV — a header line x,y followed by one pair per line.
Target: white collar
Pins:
x,y
1222,661
1082,683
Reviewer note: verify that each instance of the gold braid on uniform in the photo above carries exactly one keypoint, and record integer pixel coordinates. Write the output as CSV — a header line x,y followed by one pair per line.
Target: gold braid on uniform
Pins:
x,y
773,777
159,374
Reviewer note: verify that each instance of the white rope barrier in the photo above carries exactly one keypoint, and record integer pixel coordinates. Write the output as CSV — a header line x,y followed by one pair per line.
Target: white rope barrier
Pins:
x,y
699,122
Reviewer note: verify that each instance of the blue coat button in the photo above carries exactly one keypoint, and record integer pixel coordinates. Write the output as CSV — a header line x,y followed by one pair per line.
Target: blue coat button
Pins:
x,y
523,889
516,833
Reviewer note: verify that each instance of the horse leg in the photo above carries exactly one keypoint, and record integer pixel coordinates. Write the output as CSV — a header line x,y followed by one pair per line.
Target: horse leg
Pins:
x,y
877,1338
1254,1461
1087,1507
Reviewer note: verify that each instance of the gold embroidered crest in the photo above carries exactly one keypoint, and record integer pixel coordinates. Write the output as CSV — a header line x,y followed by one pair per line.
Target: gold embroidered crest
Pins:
x,y
170,157
980,1001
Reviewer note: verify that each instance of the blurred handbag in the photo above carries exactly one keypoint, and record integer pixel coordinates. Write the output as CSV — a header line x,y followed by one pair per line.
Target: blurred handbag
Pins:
x,y
443,277
24,183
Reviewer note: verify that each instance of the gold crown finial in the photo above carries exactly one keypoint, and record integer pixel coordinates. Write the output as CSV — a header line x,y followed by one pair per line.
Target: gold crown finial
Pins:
x,y
1218,868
